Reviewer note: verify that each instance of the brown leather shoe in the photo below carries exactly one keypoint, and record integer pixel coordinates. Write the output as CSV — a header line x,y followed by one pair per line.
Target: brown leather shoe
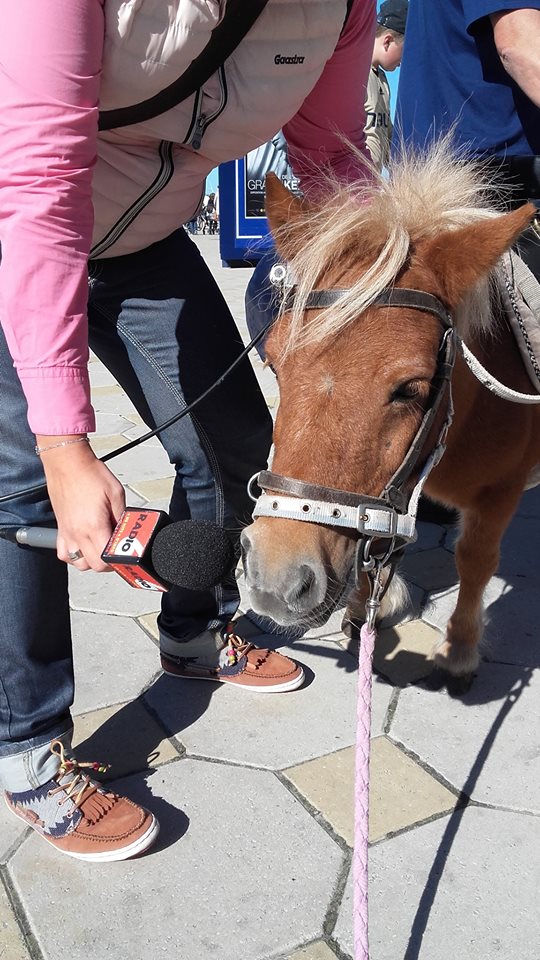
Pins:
x,y
252,668
82,819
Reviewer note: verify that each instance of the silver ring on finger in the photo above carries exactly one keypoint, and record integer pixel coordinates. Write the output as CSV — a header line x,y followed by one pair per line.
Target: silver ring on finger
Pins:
x,y
74,555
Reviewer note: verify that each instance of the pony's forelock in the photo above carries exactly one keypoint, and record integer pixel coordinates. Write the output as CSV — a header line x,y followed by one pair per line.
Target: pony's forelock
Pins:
x,y
424,194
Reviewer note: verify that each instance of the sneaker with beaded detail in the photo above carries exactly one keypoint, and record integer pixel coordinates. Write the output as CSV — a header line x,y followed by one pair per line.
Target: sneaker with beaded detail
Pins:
x,y
81,818
240,663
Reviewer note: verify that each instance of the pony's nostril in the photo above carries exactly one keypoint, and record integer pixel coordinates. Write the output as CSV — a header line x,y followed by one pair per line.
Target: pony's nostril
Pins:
x,y
304,587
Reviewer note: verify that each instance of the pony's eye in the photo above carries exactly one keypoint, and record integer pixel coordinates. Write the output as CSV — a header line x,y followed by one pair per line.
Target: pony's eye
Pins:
x,y
409,390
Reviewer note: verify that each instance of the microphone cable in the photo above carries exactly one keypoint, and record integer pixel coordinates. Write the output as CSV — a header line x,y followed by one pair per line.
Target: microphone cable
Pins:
x,y
39,487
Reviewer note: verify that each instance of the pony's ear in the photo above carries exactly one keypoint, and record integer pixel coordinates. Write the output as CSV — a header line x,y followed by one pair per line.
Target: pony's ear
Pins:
x,y
283,211
462,257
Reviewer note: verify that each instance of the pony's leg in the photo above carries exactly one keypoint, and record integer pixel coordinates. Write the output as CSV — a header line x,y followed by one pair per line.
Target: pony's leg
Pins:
x,y
477,559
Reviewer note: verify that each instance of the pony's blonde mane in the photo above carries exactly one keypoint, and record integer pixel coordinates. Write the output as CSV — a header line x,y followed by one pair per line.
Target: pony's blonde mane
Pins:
x,y
423,195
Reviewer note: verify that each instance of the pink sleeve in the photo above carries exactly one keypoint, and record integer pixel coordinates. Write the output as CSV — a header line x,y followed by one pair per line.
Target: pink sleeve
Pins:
x,y
335,106
50,60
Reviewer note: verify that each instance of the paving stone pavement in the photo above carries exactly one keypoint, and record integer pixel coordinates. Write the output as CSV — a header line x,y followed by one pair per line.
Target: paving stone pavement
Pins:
x,y
255,795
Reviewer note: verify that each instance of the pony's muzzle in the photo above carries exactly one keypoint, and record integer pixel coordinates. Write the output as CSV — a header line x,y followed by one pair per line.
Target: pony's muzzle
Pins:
x,y
287,589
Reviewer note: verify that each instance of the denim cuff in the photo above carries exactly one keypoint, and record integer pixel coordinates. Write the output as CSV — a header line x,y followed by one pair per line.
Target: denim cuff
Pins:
x,y
206,643
35,765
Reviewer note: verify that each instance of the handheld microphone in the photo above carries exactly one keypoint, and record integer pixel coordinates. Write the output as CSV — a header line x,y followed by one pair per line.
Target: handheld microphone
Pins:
x,y
150,553
128,550
34,537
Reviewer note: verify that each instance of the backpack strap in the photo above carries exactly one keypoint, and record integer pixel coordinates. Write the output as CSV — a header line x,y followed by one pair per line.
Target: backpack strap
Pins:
x,y
240,15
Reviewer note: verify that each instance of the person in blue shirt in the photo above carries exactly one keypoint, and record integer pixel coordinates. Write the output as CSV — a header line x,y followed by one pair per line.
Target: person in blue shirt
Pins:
x,y
479,78
473,67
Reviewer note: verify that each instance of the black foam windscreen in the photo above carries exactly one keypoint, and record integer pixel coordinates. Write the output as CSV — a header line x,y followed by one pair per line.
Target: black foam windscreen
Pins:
x,y
194,554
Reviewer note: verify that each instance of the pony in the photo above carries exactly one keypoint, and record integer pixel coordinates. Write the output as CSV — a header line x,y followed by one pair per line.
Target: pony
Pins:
x,y
392,264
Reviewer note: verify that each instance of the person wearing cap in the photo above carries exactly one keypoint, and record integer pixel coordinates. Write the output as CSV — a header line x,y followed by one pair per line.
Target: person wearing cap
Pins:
x,y
387,52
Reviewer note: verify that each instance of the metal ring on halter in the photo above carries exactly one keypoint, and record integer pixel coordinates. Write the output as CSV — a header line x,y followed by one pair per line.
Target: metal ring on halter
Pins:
x,y
278,274
363,561
74,555
251,483
252,480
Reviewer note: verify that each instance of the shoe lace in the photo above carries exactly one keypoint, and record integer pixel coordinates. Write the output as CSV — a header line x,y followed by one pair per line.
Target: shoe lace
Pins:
x,y
80,787
238,647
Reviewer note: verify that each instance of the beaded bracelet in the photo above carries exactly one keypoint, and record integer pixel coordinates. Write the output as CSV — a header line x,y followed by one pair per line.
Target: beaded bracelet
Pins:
x,y
63,443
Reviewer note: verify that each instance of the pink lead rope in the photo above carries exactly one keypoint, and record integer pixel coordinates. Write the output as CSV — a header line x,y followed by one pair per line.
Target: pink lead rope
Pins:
x,y
361,795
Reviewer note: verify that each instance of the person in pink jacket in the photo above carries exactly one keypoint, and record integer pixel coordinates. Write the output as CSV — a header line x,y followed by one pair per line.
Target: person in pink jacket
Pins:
x,y
94,255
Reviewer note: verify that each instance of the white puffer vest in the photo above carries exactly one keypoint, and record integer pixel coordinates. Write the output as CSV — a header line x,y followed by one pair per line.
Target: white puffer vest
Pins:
x,y
149,177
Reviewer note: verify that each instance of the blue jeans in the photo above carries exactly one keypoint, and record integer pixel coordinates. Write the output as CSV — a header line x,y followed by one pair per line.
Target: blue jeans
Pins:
x,y
158,321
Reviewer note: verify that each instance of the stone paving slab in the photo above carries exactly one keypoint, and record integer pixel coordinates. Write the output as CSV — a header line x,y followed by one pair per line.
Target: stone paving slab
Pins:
x,y
332,625
512,633
315,951
102,444
271,731
109,734
520,555
108,593
401,793
403,653
12,946
114,660
111,399
99,375
108,424
327,785
486,743
440,604
434,570
225,880
430,535
464,887
153,489
11,829
137,464
339,625
139,430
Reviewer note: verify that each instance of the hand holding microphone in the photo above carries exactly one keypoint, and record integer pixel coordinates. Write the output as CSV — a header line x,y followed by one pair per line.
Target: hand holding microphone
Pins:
x,y
142,549
86,498
150,553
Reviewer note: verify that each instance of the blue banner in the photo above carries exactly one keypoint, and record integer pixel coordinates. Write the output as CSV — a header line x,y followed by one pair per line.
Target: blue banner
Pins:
x,y
244,231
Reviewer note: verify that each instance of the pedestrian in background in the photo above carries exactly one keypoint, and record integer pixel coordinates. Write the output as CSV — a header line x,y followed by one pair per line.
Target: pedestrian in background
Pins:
x,y
387,53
